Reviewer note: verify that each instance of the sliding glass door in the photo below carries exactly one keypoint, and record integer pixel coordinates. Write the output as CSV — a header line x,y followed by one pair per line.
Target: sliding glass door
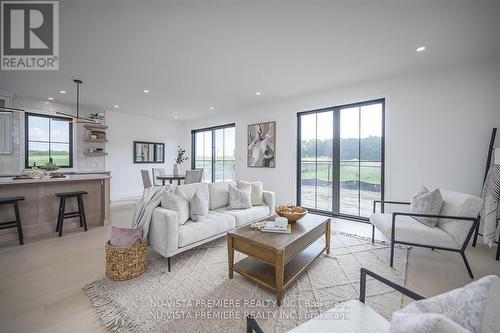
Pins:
x,y
213,151
340,158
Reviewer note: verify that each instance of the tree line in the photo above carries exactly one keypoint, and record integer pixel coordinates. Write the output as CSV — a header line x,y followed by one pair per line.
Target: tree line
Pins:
x,y
367,149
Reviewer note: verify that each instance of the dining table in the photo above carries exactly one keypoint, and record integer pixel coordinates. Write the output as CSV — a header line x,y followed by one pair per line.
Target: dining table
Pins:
x,y
171,178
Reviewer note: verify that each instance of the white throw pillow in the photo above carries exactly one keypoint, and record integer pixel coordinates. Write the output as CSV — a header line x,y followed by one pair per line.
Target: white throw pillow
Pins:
x,y
178,202
257,198
427,202
240,198
198,206
219,195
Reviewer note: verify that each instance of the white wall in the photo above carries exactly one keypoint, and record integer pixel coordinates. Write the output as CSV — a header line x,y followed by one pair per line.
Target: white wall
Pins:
x,y
438,127
125,128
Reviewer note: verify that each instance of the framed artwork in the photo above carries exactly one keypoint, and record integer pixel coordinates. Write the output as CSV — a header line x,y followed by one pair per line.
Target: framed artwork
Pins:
x,y
149,152
261,150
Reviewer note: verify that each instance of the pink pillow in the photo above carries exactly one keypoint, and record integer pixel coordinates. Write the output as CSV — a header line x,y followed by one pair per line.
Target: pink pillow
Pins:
x,y
123,237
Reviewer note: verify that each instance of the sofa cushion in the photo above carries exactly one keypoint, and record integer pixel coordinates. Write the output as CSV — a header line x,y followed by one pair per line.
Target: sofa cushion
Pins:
x,y
177,202
198,207
256,188
215,223
244,216
458,204
354,317
411,231
240,198
219,195
190,189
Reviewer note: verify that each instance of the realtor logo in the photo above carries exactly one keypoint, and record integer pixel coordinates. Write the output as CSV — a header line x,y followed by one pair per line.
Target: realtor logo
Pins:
x,y
30,35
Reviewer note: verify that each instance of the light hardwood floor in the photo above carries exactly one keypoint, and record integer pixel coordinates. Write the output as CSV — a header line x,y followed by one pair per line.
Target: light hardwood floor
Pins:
x,y
41,282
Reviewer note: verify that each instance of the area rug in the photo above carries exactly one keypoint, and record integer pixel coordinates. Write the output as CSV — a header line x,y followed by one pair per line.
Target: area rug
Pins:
x,y
198,296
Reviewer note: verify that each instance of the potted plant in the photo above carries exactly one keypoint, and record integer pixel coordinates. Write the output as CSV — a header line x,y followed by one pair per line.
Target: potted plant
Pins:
x,y
98,117
179,160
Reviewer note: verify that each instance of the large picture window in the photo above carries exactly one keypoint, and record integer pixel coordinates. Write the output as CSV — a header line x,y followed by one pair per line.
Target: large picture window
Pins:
x,y
341,158
213,151
48,137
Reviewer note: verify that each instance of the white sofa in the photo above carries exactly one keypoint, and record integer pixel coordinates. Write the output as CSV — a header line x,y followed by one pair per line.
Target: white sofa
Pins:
x,y
168,238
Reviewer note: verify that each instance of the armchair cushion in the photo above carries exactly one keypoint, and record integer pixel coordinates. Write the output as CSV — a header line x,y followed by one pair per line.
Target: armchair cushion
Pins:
x,y
361,319
458,204
427,202
411,231
460,310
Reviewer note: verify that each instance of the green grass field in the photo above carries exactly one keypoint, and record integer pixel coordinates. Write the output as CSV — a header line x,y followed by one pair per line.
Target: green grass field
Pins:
x,y
370,172
42,159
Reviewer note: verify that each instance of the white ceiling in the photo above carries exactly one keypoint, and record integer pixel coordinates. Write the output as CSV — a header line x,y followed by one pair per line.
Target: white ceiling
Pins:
x,y
195,54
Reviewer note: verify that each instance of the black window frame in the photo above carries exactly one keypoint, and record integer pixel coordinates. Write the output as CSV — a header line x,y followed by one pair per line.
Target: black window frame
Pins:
x,y
193,145
27,141
336,158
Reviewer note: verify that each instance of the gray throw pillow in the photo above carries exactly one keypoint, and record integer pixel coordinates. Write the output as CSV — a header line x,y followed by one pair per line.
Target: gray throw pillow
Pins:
x,y
240,198
427,202
198,206
177,202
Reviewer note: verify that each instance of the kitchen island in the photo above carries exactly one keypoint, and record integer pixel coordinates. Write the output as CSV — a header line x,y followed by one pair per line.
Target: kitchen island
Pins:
x,y
39,210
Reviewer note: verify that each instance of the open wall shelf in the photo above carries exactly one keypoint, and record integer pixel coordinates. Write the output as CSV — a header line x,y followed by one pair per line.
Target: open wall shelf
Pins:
x,y
95,153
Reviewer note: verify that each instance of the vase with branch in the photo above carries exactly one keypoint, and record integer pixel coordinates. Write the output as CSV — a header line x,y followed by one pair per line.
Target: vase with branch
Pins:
x,y
181,158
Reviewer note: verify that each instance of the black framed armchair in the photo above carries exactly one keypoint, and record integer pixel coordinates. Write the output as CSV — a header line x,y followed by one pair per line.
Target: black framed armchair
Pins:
x,y
363,317
456,224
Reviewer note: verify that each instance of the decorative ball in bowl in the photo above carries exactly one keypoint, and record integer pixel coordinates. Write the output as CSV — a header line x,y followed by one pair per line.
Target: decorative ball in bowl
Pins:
x,y
291,212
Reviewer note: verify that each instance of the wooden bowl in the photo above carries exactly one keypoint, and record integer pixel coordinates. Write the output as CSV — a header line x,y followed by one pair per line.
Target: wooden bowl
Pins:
x,y
292,217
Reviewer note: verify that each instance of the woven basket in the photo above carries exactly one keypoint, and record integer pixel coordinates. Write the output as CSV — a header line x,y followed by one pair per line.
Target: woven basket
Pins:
x,y
124,263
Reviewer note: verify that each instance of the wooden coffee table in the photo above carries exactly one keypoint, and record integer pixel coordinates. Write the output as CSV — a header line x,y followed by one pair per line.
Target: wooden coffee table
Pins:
x,y
275,260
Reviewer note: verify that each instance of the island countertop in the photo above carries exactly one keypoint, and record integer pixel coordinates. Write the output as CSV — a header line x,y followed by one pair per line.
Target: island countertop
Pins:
x,y
40,207
68,178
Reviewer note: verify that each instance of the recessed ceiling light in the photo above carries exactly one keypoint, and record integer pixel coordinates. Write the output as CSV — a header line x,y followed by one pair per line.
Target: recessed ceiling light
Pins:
x,y
176,117
116,106
62,91
146,91
50,98
421,49
258,93
47,102
212,108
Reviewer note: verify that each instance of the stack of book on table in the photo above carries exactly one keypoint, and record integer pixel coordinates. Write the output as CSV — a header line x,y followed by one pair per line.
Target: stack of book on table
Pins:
x,y
270,226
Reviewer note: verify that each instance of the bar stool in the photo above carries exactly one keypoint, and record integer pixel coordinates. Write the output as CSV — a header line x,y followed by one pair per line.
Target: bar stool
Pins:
x,y
17,222
62,210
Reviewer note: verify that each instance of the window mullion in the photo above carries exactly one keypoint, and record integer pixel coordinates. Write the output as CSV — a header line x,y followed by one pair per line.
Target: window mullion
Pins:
x,y
50,138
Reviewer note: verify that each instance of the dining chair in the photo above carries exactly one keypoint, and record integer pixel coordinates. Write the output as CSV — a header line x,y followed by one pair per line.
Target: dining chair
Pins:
x,y
193,176
146,181
158,172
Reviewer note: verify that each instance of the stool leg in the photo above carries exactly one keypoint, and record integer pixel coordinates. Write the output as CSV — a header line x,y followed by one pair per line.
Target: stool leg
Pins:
x,y
18,222
61,214
81,209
